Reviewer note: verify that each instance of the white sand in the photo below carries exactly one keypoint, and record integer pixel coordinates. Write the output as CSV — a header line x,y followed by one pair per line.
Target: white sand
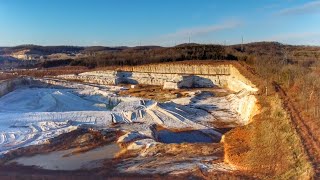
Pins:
x,y
33,115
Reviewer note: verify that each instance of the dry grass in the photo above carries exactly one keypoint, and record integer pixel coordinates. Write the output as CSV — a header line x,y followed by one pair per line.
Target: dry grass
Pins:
x,y
269,145
51,71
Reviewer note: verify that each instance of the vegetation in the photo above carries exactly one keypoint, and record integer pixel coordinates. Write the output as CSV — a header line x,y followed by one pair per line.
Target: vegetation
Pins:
x,y
51,71
292,71
146,55
269,146
42,49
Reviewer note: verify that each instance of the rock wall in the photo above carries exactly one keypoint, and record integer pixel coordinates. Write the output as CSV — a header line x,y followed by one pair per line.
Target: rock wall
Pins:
x,y
175,76
12,84
172,77
182,68
245,104
242,101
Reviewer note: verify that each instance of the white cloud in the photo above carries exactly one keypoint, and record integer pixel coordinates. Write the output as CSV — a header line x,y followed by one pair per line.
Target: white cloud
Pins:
x,y
197,34
310,7
198,31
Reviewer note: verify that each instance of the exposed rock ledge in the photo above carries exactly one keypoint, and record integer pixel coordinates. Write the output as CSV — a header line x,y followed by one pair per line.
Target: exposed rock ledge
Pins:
x,y
172,77
176,76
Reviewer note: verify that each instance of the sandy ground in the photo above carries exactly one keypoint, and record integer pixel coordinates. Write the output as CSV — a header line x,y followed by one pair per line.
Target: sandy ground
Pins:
x,y
33,116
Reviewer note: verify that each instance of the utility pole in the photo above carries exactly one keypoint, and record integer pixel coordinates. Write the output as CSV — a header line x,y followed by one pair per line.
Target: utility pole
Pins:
x,y
266,90
285,56
242,44
189,40
224,48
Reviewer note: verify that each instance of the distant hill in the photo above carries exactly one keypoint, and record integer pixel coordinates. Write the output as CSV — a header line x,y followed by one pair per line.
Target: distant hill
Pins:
x,y
99,56
45,50
276,50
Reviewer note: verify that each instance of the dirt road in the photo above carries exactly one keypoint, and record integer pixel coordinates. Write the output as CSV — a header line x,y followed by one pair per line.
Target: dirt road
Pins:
x,y
310,141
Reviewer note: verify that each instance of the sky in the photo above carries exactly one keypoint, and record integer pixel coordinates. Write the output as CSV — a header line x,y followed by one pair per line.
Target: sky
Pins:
x,y
158,22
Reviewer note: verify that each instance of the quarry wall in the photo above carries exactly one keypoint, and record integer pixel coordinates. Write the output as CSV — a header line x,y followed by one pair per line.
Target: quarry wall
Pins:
x,y
175,76
242,100
24,82
12,84
172,76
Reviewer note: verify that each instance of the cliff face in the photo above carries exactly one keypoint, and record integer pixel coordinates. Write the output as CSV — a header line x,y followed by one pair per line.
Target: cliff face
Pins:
x,y
168,68
243,100
10,85
175,76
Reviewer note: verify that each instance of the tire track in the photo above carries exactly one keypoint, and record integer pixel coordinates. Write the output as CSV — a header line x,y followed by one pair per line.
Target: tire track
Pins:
x,y
310,142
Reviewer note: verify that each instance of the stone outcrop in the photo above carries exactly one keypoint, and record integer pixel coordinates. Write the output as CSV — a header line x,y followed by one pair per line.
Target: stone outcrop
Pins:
x,y
243,101
175,77
182,68
10,85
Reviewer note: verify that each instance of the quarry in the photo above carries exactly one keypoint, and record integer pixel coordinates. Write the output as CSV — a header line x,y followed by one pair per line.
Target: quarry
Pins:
x,y
140,134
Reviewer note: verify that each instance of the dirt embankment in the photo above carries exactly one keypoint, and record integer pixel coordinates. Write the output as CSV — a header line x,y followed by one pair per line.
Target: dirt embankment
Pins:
x,y
83,139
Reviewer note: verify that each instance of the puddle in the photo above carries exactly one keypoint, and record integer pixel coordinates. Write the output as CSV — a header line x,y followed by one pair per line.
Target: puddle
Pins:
x,y
56,161
166,136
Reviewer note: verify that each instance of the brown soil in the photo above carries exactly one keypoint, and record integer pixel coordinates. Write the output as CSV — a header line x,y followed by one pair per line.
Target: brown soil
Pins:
x,y
81,139
15,172
151,92
189,150
6,76
89,138
164,153
161,95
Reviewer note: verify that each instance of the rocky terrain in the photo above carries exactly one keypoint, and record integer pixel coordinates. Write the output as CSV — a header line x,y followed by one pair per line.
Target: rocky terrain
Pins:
x,y
35,110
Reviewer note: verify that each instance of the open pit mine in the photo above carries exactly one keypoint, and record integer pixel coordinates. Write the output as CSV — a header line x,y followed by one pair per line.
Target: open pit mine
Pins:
x,y
114,119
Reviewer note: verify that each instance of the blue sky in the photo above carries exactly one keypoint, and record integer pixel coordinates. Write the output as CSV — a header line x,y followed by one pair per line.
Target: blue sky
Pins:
x,y
158,22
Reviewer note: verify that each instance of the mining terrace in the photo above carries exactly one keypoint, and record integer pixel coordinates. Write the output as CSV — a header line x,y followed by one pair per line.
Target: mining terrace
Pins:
x,y
160,119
